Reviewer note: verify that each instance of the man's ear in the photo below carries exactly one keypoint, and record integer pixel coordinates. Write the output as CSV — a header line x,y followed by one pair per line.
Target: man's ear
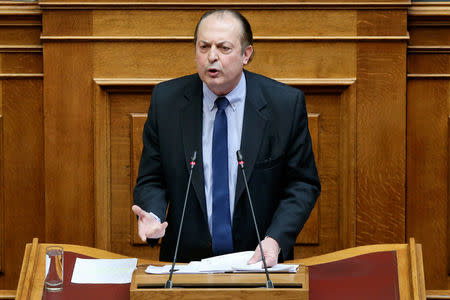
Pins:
x,y
247,54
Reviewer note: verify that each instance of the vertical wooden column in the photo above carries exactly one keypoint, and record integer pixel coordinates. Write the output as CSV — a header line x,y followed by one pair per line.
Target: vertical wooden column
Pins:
x,y
381,129
2,199
69,126
428,113
22,155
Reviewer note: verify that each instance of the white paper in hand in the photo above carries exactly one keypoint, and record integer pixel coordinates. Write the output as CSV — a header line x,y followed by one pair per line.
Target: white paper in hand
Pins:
x,y
233,262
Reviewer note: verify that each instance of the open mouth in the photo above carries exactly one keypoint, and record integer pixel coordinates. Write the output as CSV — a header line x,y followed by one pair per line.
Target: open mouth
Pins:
x,y
213,72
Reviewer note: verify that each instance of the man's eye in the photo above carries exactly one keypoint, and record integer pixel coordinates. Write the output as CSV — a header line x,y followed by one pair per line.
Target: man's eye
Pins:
x,y
225,48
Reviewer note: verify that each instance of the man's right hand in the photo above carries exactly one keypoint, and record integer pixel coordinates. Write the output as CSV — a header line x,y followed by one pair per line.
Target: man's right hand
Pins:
x,y
148,226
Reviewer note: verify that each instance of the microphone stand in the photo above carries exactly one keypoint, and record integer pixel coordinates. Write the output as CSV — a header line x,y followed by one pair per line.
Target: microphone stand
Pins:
x,y
269,283
169,284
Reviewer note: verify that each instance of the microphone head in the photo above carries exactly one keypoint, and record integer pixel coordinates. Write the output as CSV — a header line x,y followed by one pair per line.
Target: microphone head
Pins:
x,y
240,159
239,156
194,156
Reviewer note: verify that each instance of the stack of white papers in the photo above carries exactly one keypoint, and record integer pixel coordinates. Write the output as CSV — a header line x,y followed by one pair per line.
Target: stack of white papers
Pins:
x,y
234,262
96,271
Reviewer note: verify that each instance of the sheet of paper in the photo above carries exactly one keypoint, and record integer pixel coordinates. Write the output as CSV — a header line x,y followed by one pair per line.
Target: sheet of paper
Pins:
x,y
257,268
233,262
103,270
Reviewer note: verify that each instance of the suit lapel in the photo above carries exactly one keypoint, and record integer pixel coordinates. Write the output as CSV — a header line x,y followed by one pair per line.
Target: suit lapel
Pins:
x,y
191,126
253,128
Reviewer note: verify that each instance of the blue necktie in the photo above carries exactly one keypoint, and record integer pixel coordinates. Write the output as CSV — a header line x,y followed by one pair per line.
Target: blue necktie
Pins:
x,y
222,241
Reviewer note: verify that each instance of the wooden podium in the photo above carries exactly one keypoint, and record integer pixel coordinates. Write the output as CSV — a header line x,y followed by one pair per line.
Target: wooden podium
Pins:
x,y
408,275
216,286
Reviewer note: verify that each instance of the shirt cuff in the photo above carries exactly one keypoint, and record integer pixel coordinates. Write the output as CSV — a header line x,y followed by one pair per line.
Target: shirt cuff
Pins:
x,y
156,217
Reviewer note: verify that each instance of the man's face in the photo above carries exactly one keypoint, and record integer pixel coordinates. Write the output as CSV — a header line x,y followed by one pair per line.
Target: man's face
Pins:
x,y
218,53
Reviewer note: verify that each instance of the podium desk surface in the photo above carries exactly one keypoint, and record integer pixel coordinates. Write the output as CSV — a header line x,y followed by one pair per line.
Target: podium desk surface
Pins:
x,y
411,283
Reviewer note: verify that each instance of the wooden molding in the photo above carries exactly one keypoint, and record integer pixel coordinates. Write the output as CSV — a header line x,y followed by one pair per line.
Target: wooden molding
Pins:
x,y
429,8
20,49
35,22
347,169
428,76
58,5
438,294
11,8
429,14
429,49
20,75
102,169
47,38
28,271
309,84
118,82
8,294
414,270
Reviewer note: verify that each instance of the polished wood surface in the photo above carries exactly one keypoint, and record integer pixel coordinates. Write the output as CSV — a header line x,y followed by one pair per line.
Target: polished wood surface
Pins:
x,y
7,294
31,281
76,80
428,111
357,51
438,294
230,286
22,210
2,199
409,259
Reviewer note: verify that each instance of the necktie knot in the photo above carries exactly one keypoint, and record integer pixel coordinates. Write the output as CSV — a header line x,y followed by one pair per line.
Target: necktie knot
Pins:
x,y
221,103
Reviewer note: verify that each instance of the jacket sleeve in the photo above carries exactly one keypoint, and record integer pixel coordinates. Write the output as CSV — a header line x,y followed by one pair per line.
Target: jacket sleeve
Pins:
x,y
150,189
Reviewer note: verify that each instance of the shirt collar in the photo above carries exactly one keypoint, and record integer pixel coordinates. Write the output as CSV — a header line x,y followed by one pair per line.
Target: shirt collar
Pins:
x,y
236,96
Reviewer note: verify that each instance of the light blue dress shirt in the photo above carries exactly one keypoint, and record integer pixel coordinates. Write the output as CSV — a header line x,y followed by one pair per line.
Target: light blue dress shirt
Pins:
x,y
235,117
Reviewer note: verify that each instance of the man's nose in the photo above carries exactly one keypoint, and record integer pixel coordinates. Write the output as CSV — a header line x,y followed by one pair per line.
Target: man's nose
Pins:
x,y
212,54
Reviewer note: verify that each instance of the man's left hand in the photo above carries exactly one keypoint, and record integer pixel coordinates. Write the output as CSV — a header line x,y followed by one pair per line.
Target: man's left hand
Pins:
x,y
271,251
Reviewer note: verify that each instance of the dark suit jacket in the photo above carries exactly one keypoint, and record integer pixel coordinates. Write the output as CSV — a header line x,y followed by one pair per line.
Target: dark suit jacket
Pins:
x,y
280,167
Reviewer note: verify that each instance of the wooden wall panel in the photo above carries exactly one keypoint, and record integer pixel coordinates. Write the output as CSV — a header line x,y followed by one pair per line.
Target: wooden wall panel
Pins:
x,y
272,58
74,23
2,199
429,35
428,110
310,233
329,159
101,60
127,110
165,23
381,23
381,153
23,184
21,136
381,130
358,46
122,106
427,167
69,157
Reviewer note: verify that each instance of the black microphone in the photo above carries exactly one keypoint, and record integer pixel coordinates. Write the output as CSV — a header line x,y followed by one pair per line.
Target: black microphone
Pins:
x,y
169,284
240,159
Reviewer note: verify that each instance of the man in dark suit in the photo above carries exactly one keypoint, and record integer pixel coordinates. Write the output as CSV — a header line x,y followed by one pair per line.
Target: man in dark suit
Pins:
x,y
222,109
